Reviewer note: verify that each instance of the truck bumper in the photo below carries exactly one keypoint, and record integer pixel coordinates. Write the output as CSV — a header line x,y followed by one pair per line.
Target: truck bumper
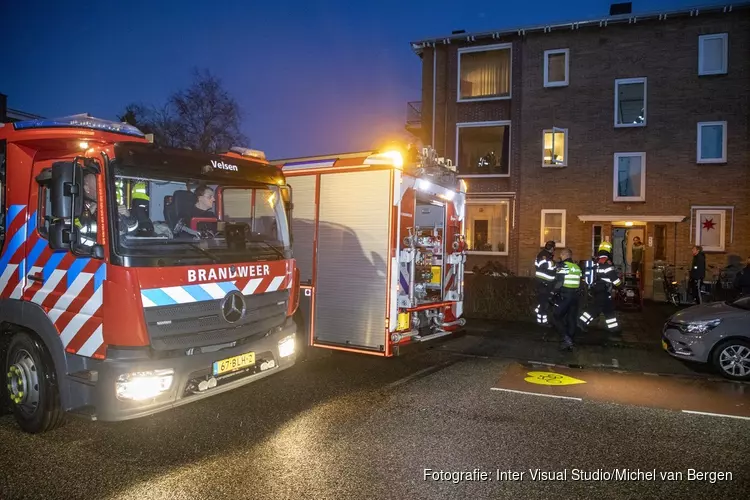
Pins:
x,y
192,377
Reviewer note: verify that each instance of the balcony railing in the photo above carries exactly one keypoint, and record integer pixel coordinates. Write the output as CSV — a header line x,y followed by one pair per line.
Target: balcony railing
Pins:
x,y
414,114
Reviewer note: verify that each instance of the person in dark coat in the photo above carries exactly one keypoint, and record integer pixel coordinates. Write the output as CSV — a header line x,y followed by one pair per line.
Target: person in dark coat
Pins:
x,y
742,280
697,273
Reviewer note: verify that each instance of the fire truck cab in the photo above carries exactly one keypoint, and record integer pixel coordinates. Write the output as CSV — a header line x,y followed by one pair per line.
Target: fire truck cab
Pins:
x,y
135,278
380,247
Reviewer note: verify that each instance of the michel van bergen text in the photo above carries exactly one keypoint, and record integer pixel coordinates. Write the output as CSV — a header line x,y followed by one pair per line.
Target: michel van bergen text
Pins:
x,y
478,474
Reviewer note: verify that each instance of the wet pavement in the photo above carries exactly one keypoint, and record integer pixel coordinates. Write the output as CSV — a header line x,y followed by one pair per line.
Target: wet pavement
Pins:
x,y
348,426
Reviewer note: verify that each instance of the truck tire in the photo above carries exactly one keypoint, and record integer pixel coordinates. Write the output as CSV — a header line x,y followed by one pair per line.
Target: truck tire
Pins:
x,y
31,384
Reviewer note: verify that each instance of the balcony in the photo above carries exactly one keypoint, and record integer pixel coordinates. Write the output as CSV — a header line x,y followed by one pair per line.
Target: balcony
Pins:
x,y
414,117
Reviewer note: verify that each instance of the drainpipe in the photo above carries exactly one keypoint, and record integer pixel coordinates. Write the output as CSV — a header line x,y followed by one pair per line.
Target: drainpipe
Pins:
x,y
434,90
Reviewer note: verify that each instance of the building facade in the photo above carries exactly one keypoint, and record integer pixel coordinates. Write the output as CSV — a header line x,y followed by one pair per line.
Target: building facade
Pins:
x,y
630,125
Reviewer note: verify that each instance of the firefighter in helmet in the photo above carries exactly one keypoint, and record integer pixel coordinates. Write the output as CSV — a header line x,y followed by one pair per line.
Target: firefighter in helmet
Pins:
x,y
139,202
545,276
605,279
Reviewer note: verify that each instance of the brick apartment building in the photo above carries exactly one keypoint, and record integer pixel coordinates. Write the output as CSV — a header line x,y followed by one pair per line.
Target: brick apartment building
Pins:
x,y
628,125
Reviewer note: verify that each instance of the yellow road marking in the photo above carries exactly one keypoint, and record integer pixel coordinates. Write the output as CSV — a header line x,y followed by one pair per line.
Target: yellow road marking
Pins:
x,y
548,378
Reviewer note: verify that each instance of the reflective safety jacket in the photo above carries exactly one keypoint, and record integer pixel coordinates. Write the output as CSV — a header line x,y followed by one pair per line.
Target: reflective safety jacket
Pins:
x,y
545,267
606,277
568,275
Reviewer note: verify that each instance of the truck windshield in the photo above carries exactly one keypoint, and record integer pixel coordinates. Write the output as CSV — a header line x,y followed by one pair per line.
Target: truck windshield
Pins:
x,y
184,219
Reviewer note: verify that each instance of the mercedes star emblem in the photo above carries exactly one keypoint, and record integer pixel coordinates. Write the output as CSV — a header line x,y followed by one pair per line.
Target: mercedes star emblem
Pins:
x,y
233,307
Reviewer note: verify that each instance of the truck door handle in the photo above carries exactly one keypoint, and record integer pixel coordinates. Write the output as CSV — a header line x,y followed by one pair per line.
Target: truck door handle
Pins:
x,y
36,277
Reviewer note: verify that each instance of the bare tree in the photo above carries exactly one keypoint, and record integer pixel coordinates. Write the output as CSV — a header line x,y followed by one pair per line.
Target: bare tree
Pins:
x,y
203,117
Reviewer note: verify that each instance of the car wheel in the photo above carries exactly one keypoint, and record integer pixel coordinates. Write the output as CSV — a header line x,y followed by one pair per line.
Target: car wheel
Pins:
x,y
31,384
732,359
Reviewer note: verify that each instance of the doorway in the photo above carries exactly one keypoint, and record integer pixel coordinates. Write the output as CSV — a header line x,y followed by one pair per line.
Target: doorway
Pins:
x,y
640,252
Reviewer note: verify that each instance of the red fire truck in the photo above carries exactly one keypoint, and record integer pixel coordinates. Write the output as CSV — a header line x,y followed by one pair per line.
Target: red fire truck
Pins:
x,y
378,239
124,292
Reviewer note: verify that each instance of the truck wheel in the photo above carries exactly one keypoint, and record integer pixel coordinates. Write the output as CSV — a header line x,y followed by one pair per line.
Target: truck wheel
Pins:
x,y
732,359
31,384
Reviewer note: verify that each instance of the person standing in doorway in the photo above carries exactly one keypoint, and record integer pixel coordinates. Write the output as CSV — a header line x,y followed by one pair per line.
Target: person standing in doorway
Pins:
x,y
637,256
697,273
567,281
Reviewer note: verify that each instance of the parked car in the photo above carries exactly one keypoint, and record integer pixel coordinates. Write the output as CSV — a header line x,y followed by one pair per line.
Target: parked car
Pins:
x,y
717,333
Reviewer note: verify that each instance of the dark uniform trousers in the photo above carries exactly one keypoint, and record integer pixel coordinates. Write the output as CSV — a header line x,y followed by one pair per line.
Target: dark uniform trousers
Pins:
x,y
566,314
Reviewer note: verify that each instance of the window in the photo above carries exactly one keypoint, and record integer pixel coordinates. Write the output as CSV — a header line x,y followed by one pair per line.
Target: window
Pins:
x,y
484,73
630,102
42,223
712,54
712,142
483,148
596,238
553,227
555,152
556,68
710,229
630,177
487,226
660,242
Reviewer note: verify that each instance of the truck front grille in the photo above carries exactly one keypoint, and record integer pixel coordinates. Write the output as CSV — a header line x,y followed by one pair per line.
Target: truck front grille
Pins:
x,y
202,323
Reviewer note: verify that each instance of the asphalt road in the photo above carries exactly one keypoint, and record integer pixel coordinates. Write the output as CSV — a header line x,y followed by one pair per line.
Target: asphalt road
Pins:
x,y
349,426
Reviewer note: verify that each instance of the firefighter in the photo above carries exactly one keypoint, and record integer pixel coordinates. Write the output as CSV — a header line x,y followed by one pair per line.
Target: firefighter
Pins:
x,y
86,224
605,279
567,281
139,210
545,276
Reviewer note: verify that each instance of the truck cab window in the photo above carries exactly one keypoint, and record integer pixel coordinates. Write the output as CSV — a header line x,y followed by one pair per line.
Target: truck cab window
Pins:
x,y
44,203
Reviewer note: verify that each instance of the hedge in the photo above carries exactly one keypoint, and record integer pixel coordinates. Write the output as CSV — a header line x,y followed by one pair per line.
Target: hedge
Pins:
x,y
501,297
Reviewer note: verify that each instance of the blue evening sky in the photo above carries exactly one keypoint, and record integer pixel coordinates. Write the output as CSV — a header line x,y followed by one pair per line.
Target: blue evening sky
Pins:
x,y
311,78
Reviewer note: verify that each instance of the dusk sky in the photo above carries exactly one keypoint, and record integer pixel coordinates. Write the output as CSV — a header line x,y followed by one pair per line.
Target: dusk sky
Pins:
x,y
311,77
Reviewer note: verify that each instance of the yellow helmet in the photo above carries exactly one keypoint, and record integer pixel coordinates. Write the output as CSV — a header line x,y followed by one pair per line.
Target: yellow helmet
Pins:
x,y
605,246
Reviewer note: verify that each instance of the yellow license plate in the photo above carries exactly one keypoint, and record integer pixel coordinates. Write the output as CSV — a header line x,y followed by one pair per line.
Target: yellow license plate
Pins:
x,y
234,363
664,345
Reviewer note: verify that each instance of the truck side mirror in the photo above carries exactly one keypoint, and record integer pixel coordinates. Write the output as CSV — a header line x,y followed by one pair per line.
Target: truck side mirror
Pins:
x,y
59,235
66,190
286,197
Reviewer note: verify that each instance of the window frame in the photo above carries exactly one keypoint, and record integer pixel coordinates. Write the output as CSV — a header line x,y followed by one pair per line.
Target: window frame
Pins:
x,y
594,246
629,199
41,210
625,81
491,201
545,212
486,48
479,125
552,52
699,137
555,130
725,62
697,238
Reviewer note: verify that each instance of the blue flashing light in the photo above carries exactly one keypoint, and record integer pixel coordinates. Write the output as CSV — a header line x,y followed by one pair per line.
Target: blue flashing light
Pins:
x,y
81,121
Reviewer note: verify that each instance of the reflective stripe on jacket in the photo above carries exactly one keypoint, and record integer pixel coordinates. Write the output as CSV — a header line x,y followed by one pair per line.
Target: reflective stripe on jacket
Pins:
x,y
570,274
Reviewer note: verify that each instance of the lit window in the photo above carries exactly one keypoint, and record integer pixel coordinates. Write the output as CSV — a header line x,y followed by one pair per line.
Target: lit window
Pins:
x,y
630,102
630,177
710,228
553,227
484,73
555,152
487,226
712,54
712,142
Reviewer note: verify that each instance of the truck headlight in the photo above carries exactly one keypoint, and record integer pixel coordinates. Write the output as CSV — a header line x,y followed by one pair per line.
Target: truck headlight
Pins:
x,y
699,327
138,386
286,346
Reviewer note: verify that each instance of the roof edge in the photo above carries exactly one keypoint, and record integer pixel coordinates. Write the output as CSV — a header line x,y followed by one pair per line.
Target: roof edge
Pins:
x,y
603,21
